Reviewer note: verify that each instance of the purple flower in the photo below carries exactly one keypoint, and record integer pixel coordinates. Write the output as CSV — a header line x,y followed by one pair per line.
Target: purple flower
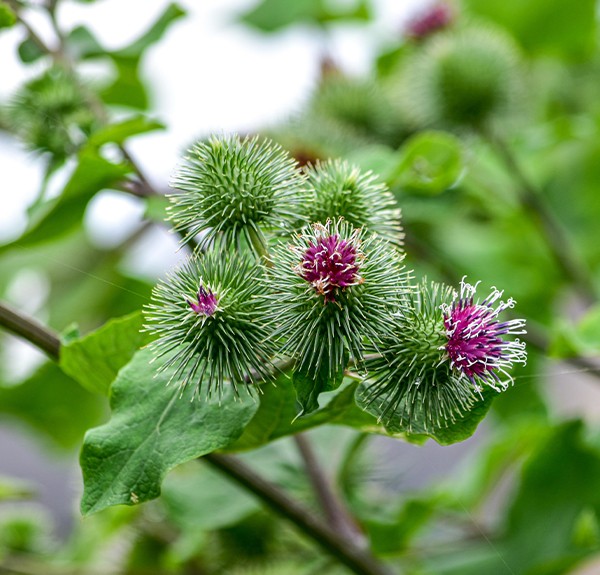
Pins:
x,y
331,263
433,19
476,345
206,304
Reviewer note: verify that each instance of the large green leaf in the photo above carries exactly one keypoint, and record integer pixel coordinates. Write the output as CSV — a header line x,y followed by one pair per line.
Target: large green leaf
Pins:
x,y
119,132
57,217
94,360
272,15
153,428
430,163
52,404
127,89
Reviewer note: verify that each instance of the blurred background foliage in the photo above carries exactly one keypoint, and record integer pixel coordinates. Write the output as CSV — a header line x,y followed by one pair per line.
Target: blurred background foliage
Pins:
x,y
483,120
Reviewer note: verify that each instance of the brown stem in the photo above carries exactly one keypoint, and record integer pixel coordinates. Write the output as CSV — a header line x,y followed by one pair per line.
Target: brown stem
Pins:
x,y
558,241
336,515
356,559
30,330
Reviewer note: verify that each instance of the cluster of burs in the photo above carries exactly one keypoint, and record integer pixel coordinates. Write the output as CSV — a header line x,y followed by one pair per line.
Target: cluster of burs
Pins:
x,y
299,271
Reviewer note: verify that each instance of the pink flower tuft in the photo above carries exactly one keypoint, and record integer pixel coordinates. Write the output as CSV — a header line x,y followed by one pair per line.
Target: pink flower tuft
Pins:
x,y
206,304
476,346
331,263
433,19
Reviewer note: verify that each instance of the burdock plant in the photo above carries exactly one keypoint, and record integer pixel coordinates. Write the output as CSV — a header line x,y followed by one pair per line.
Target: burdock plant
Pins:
x,y
444,351
325,301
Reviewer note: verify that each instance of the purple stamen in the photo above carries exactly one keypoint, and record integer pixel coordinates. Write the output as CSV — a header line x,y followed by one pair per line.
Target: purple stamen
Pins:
x,y
206,304
331,264
475,346
433,19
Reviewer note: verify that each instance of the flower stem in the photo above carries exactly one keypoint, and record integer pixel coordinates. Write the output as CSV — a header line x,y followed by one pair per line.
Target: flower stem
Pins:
x,y
260,245
556,238
359,560
337,516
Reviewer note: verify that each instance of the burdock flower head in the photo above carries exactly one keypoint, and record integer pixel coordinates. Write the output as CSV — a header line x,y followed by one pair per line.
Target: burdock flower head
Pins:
x,y
477,346
338,189
330,263
446,348
210,327
206,302
333,290
431,20
234,188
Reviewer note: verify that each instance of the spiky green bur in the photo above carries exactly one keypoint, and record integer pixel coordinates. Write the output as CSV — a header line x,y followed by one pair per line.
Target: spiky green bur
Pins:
x,y
337,189
461,78
332,291
231,188
209,323
446,348
50,114
357,104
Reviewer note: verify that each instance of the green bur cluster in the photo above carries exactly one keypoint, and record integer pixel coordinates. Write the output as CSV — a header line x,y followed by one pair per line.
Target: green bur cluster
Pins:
x,y
301,270
462,78
51,114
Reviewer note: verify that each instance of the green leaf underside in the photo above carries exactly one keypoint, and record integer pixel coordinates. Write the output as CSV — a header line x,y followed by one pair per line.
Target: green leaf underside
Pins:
x,y
462,427
153,428
277,415
94,360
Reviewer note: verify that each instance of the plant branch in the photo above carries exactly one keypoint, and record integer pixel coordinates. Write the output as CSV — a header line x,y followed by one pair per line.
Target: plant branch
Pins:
x,y
30,330
356,559
556,238
336,515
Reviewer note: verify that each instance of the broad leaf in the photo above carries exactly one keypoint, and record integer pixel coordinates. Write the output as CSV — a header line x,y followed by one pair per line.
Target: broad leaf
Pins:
x,y
153,428
57,217
277,415
431,162
272,15
94,360
120,132
29,51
